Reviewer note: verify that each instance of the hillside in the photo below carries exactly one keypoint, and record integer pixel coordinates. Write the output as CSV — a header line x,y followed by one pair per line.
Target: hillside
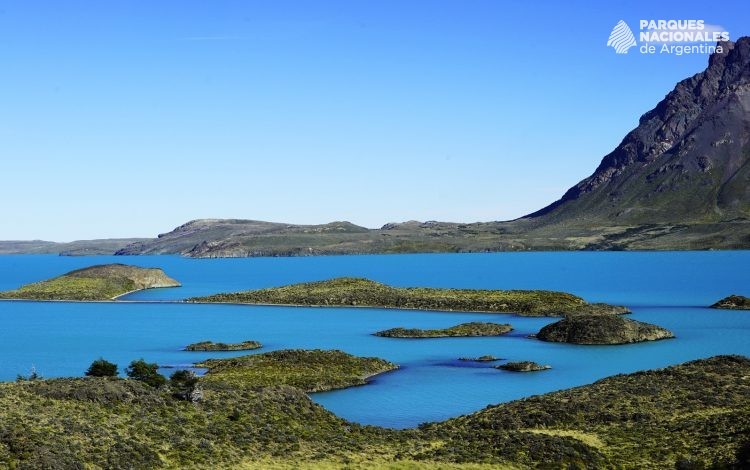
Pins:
x,y
76,248
683,170
692,415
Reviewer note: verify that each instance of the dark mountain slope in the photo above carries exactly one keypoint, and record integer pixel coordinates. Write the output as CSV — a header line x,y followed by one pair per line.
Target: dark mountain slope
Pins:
x,y
685,163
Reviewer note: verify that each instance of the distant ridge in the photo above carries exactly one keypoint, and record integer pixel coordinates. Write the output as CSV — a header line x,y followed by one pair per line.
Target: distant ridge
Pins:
x,y
678,181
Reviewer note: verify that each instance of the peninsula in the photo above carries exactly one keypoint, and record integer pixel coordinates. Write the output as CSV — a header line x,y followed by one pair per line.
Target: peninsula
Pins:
x,y
309,370
95,283
358,292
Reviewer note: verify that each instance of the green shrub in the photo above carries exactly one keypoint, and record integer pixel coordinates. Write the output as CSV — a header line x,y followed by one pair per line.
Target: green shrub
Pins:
x,y
184,385
146,372
102,368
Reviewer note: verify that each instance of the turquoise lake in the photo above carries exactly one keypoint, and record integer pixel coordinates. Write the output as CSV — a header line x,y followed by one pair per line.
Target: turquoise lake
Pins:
x,y
670,289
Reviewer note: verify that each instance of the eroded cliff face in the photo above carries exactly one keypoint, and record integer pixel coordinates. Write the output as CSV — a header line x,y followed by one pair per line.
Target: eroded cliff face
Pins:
x,y
686,162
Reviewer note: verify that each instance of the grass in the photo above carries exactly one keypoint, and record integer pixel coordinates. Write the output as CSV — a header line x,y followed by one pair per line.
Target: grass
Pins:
x,y
464,329
358,292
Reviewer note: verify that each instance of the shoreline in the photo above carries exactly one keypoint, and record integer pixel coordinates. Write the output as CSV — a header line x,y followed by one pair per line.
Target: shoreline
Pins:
x,y
245,304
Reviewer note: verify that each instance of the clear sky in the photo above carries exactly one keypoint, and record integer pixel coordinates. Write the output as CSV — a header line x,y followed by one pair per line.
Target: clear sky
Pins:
x,y
128,118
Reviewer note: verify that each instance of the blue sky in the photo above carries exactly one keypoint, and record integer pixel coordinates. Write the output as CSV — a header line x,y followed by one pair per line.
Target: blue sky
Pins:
x,y
127,118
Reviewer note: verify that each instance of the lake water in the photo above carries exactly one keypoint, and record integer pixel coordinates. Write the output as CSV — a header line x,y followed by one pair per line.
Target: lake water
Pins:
x,y
667,288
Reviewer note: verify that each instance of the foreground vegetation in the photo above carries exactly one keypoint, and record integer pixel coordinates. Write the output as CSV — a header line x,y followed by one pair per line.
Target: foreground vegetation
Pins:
x,y
103,282
357,292
211,346
694,414
464,329
733,302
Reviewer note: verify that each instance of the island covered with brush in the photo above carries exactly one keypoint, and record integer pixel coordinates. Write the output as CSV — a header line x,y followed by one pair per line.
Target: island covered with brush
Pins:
x,y
359,292
94,283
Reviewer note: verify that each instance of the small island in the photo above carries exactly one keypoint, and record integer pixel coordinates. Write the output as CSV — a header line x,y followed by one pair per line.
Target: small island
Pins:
x,y
211,346
358,292
95,283
464,329
733,302
599,329
486,358
522,366
309,370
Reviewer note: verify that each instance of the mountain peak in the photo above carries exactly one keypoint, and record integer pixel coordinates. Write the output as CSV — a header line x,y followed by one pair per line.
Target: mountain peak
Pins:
x,y
686,160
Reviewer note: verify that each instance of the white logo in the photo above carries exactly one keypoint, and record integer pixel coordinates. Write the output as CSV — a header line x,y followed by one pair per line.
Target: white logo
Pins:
x,y
621,38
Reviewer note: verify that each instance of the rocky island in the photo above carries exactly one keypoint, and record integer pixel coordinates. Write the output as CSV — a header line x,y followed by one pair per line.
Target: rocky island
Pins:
x,y
486,358
358,292
522,366
600,329
211,346
733,302
464,329
102,282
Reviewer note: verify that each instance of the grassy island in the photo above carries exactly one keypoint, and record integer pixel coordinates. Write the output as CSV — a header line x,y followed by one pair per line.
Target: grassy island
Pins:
x,y
357,292
464,329
598,329
102,282
309,370
696,413
733,302
211,346
522,366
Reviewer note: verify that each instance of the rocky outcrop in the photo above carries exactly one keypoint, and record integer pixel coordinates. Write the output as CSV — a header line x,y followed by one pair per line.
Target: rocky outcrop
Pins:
x,y
464,329
522,366
211,346
599,329
487,358
733,302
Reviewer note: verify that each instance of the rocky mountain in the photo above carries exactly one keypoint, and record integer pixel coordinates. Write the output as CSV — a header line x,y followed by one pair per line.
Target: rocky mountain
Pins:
x,y
680,180
686,164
